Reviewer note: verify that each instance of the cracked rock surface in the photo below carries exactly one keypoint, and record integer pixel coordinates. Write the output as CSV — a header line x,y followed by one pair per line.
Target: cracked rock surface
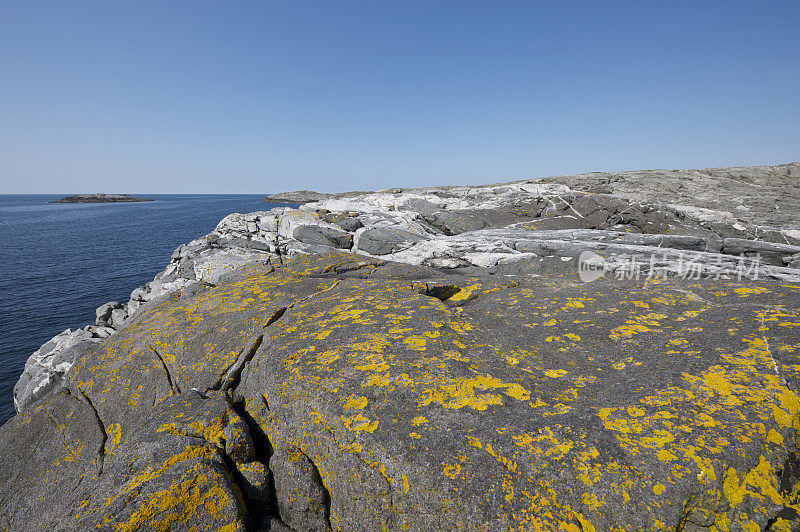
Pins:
x,y
717,220
343,392
429,359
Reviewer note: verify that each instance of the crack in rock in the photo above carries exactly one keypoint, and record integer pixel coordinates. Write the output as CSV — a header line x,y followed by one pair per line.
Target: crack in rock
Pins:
x,y
173,384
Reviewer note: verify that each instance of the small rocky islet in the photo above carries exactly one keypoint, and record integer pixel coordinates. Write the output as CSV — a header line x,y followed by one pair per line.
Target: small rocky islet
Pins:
x,y
100,198
431,359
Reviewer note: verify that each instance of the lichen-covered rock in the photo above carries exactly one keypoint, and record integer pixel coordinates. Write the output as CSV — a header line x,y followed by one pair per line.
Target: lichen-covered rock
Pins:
x,y
649,223
343,392
261,383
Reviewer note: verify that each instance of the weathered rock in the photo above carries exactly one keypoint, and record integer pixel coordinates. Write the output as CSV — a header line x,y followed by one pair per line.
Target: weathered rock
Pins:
x,y
211,265
758,195
118,317
323,236
104,313
349,224
257,383
525,227
384,240
452,223
771,253
45,368
380,395
305,196
245,243
301,495
298,196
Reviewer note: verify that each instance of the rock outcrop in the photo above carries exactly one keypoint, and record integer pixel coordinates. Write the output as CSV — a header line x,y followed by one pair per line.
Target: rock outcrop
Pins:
x,y
762,195
349,393
306,196
432,359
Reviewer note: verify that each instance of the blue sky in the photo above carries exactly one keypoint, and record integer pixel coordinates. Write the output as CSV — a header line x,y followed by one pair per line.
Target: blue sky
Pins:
x,y
257,97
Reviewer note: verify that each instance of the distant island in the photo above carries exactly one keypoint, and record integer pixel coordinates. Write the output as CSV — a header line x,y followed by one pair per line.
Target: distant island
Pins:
x,y
100,198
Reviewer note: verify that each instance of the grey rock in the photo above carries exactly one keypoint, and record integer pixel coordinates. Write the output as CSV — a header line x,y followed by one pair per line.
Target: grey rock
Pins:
x,y
142,293
298,196
244,243
298,487
256,482
450,389
349,224
361,384
103,314
323,236
268,224
118,317
454,223
45,368
134,305
770,252
385,240
238,443
186,269
759,189
100,332
211,265
306,196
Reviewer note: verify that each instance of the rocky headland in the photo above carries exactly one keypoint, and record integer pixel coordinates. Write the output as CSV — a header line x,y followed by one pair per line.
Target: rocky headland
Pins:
x,y
100,198
437,359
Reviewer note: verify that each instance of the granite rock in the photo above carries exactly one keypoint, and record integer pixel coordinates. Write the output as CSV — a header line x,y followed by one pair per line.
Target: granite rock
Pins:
x,y
343,392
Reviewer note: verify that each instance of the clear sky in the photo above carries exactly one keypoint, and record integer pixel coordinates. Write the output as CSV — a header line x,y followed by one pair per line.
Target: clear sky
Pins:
x,y
258,97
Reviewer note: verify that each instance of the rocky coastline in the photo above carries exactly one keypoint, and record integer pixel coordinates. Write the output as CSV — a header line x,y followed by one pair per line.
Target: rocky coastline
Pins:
x,y
308,196
100,198
432,359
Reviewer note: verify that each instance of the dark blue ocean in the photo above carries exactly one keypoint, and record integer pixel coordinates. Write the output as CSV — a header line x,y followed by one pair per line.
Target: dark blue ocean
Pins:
x,y
58,262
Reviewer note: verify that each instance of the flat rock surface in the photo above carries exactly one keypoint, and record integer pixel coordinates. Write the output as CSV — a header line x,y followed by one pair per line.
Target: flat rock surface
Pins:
x,y
757,194
348,393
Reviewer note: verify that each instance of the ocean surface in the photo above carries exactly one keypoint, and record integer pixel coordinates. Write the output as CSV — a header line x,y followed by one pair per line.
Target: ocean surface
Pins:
x,y
59,262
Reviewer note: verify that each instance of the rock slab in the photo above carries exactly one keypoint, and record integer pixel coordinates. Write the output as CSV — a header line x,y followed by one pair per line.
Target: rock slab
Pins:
x,y
339,392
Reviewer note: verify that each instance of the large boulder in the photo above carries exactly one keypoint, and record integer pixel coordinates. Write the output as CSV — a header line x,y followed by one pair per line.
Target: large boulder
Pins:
x,y
385,240
454,223
105,313
323,236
